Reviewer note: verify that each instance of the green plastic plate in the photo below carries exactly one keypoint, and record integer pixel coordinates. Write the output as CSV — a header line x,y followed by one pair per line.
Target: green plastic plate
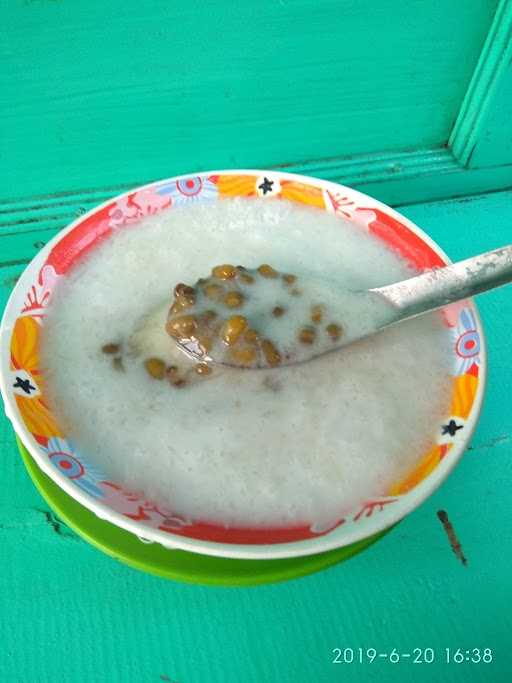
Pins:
x,y
177,564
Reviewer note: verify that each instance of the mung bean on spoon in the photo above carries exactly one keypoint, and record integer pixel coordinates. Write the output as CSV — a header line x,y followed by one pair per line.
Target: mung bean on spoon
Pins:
x,y
261,318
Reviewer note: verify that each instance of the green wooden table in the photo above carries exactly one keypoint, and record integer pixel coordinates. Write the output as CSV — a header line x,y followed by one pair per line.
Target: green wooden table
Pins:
x,y
69,613
408,101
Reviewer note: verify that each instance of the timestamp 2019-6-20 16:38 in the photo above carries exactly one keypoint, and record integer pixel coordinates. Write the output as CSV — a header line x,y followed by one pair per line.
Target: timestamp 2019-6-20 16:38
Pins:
x,y
417,655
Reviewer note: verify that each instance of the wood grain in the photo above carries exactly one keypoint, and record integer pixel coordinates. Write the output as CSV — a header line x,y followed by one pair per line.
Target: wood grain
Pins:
x,y
99,93
415,175
482,134
68,613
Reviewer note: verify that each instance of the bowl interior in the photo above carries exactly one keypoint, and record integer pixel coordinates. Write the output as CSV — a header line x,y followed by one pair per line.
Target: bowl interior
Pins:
x,y
23,384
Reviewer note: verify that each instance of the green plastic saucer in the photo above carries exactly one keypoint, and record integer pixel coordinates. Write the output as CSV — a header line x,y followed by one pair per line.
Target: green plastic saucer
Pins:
x,y
178,564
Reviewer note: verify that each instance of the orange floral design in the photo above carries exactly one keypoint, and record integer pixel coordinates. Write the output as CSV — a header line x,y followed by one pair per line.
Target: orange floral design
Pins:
x,y
426,466
245,186
24,356
463,396
464,392
300,192
236,185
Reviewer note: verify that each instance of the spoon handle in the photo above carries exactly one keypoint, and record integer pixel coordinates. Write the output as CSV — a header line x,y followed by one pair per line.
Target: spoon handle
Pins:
x,y
445,285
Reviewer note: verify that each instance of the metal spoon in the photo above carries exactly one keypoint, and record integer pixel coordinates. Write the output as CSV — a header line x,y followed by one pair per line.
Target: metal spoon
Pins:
x,y
279,315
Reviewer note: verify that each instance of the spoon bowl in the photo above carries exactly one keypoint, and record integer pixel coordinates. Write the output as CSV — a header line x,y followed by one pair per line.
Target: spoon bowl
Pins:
x,y
261,318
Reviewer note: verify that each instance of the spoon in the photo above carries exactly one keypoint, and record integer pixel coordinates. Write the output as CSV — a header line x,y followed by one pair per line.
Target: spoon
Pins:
x,y
261,318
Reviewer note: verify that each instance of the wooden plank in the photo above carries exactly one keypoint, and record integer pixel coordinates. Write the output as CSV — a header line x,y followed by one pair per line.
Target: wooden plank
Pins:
x,y
21,247
494,144
482,135
96,93
457,182
397,178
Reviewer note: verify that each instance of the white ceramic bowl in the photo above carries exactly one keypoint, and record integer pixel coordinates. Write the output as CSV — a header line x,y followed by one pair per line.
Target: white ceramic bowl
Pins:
x,y
23,386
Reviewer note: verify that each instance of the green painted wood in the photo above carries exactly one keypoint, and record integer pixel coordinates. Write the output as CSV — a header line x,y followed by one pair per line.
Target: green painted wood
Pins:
x,y
408,177
494,144
456,182
95,93
482,135
418,176
69,613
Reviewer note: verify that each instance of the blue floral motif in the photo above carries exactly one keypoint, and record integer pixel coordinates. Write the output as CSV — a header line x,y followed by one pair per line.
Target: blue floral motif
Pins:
x,y
191,188
64,458
466,342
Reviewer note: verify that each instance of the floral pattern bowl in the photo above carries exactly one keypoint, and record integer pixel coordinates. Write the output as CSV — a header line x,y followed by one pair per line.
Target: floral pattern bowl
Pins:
x,y
23,385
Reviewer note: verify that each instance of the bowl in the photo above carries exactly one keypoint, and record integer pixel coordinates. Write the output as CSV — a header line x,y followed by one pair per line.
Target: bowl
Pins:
x,y
22,383
179,565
